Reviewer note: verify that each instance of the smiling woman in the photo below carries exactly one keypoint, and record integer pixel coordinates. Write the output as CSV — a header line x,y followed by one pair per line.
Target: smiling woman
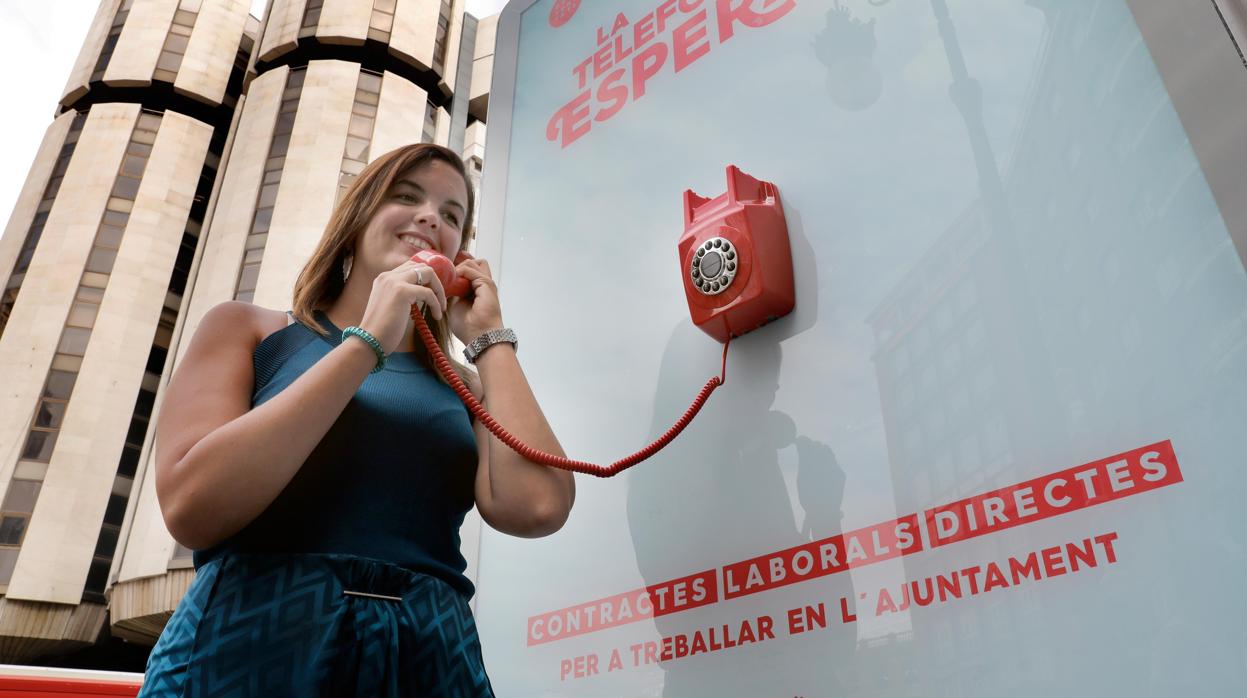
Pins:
x,y
306,414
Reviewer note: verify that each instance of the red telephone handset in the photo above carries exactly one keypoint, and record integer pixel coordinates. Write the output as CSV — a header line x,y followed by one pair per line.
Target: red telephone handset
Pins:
x,y
737,270
454,285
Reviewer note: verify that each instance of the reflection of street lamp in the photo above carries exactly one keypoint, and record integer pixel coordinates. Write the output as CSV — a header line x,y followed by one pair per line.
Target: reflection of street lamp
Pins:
x,y
968,96
847,36
847,47
1007,262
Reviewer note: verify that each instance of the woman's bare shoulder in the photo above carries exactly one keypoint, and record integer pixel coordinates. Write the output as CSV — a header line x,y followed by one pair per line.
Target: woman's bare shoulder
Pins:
x,y
243,320
268,321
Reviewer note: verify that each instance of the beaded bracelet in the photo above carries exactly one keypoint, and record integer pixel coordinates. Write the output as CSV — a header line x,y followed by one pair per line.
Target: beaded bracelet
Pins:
x,y
370,341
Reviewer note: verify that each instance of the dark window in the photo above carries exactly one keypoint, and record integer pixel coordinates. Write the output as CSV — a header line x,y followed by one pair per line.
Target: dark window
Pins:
x,y
97,578
263,217
50,414
101,260
285,123
107,544
116,510
11,529
156,359
144,403
23,260
126,187
109,236
129,463
60,384
39,445
74,341
133,165
138,428
22,495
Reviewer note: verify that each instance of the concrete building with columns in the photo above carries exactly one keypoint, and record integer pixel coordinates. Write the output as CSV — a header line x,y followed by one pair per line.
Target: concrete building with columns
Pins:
x,y
195,158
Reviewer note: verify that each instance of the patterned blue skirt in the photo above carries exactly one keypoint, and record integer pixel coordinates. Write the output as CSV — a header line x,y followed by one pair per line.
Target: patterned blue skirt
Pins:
x,y
316,625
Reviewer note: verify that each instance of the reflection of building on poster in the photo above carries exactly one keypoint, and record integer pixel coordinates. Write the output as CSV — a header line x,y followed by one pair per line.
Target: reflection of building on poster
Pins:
x,y
1118,241
1108,479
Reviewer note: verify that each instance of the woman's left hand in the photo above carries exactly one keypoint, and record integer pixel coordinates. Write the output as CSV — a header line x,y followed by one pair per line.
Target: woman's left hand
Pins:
x,y
470,319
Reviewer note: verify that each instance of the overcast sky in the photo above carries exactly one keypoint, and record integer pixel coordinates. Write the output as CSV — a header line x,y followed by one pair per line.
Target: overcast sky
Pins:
x,y
39,42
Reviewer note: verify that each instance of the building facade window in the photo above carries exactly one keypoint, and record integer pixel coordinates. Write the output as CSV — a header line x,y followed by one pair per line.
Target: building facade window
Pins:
x,y
9,296
443,34
430,123
182,557
132,448
106,544
15,512
241,58
177,40
76,333
359,133
382,21
311,18
110,41
257,238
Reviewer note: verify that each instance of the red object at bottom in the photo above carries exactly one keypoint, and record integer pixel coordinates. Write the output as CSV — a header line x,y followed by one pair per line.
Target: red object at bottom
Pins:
x,y
60,687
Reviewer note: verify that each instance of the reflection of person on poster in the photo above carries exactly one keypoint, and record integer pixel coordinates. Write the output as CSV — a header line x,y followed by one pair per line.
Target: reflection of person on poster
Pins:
x,y
717,495
818,476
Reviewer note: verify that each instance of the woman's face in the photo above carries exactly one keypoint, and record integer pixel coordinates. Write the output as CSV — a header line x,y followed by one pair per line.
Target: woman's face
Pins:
x,y
423,209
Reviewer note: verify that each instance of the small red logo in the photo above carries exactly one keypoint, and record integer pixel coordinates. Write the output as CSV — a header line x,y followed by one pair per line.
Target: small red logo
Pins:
x,y
563,11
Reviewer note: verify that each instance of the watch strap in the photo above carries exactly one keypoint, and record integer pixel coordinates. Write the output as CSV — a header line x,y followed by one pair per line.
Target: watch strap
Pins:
x,y
488,339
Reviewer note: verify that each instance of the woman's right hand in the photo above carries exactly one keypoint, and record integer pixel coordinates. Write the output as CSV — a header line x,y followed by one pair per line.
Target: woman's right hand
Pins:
x,y
393,294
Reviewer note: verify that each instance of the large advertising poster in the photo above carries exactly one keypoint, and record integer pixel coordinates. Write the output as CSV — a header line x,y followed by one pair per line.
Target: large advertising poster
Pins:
x,y
997,447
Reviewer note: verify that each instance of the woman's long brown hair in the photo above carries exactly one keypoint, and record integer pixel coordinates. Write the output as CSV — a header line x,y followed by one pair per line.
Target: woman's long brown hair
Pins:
x,y
320,282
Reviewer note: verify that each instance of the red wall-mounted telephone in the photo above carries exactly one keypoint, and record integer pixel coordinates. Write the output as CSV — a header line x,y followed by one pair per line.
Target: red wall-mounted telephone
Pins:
x,y
737,270
735,259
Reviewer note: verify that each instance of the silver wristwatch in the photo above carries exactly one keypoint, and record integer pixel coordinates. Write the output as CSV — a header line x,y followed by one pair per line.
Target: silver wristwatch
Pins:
x,y
490,338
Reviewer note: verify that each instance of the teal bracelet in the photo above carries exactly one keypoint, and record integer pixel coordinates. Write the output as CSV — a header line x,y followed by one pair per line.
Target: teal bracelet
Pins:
x,y
370,341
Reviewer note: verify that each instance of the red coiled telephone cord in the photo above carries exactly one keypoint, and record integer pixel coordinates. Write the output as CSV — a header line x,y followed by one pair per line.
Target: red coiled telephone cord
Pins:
x,y
536,456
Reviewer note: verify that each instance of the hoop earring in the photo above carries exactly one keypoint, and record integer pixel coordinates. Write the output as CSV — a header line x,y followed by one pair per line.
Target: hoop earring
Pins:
x,y
347,261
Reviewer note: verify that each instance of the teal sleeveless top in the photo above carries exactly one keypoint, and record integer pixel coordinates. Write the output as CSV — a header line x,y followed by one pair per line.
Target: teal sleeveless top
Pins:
x,y
392,479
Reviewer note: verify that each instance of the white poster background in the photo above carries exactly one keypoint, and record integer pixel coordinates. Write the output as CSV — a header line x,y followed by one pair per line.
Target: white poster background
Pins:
x,y
988,290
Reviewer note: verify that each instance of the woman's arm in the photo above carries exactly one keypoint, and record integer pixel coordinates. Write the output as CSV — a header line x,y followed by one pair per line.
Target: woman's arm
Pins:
x,y
219,463
514,495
